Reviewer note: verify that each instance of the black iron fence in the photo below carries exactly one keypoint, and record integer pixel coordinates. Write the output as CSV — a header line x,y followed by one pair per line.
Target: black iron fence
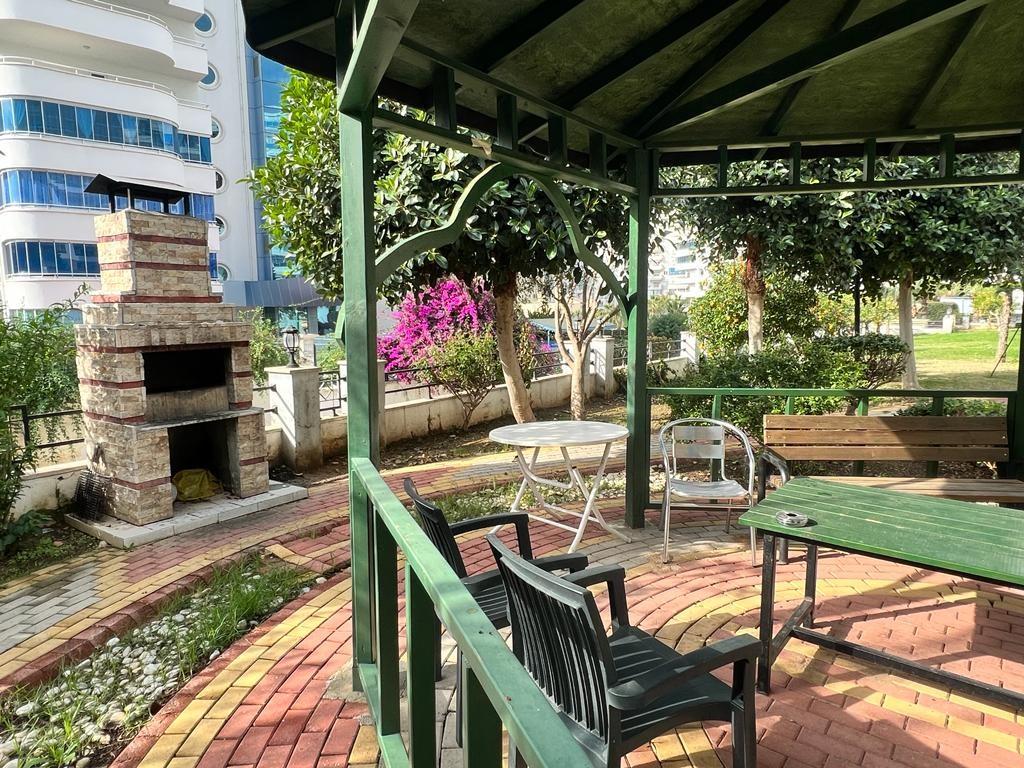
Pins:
x,y
39,429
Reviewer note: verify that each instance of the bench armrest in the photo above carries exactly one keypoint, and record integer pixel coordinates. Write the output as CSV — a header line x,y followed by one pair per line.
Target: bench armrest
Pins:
x,y
614,576
519,519
740,651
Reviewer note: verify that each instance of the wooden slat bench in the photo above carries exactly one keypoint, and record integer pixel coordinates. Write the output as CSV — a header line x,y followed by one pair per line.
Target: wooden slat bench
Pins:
x,y
895,438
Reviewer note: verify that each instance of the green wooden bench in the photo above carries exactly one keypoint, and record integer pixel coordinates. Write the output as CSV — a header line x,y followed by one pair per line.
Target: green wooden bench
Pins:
x,y
934,439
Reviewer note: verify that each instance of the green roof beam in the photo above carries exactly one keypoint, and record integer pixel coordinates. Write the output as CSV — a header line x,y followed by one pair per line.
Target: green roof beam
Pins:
x,y
289,22
376,35
443,92
693,76
951,60
509,41
517,158
898,22
773,124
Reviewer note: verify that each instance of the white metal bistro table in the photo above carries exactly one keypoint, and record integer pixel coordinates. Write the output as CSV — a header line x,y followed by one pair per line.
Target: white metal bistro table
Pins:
x,y
562,435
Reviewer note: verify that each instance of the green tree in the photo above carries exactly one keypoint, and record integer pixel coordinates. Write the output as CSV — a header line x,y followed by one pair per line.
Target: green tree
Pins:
x,y
914,239
803,236
920,239
993,302
719,318
517,232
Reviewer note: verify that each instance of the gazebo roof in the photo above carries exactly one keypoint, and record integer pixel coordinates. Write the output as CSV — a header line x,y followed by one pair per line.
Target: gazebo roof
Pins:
x,y
689,75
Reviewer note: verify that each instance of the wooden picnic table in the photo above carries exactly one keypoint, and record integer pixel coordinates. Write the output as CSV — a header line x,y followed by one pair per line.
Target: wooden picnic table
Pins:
x,y
975,541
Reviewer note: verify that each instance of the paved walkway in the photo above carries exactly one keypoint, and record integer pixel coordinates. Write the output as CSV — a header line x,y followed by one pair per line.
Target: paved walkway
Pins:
x,y
63,612
273,700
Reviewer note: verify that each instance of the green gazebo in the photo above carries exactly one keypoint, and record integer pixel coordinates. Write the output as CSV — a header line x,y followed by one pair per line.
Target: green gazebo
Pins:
x,y
608,93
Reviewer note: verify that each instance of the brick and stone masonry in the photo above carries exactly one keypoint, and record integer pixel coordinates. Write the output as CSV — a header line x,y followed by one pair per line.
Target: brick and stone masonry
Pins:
x,y
164,368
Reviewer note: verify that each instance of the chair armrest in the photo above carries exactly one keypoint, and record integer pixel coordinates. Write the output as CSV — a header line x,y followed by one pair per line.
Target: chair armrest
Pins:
x,y
771,457
614,576
663,679
519,519
573,563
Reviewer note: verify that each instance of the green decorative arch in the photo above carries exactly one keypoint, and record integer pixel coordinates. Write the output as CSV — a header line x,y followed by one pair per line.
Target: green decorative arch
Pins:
x,y
481,184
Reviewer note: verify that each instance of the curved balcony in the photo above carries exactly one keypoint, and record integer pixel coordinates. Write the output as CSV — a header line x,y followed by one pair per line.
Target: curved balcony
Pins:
x,y
89,158
123,36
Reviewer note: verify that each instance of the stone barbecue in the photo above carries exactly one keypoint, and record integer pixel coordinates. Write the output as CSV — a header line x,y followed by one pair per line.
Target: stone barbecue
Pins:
x,y
164,369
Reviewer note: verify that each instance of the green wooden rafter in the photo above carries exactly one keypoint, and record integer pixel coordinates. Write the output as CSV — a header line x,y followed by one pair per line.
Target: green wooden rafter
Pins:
x,y
472,194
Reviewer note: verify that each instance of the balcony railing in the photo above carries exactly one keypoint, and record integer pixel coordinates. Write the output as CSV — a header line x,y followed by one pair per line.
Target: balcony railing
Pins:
x,y
498,691
41,64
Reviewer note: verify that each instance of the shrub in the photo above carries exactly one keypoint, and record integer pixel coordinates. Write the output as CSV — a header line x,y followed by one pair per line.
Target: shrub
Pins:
x,y
669,325
936,310
658,375
266,347
809,365
957,407
328,356
427,319
37,370
467,365
882,357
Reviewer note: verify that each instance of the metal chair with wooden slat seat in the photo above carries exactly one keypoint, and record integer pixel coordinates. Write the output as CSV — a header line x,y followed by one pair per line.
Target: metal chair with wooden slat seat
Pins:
x,y
617,691
485,587
699,438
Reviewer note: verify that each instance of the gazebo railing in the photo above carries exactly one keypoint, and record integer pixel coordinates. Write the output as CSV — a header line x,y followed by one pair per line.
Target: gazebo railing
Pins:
x,y
497,689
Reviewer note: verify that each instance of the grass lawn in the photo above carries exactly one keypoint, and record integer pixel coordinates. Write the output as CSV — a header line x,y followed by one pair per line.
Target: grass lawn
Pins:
x,y
963,360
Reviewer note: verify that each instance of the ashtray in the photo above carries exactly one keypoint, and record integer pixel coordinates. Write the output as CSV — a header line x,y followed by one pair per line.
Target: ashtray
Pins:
x,y
792,519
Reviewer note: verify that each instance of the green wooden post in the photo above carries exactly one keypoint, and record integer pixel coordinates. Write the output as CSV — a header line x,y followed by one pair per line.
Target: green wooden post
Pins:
x,y
386,628
638,406
481,741
361,352
1017,425
419,622
938,405
789,405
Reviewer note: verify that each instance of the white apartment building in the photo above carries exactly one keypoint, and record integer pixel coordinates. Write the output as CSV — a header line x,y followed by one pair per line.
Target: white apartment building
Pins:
x,y
89,87
679,270
163,92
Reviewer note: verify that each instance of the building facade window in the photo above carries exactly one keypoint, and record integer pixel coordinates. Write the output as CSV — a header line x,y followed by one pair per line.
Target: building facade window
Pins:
x,y
210,78
205,24
70,121
44,257
30,187
222,225
215,129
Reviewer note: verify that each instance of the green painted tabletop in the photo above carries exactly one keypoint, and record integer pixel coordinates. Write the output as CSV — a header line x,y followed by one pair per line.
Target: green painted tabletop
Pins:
x,y
979,540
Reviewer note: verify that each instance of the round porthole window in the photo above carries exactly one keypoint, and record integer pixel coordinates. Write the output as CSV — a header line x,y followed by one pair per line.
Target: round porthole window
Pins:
x,y
215,129
211,77
222,226
205,25
219,181
223,273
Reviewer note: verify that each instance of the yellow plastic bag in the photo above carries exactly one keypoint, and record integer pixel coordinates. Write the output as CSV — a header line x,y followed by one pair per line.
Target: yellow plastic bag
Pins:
x,y
195,484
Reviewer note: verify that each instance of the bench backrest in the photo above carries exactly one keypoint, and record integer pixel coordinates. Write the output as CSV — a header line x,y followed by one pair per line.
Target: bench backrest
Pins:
x,y
887,438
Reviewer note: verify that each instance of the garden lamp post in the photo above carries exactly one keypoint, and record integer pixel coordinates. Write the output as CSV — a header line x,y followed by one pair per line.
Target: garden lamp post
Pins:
x,y
291,343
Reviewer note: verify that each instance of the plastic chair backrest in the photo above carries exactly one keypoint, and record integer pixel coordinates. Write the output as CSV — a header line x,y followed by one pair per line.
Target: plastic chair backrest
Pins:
x,y
435,525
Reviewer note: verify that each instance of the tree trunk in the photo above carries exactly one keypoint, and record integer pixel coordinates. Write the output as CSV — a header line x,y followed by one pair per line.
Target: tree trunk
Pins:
x,y
753,283
504,329
906,317
577,388
1003,324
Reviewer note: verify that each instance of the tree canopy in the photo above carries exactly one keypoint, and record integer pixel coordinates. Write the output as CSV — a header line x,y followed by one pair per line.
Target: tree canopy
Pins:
x,y
516,231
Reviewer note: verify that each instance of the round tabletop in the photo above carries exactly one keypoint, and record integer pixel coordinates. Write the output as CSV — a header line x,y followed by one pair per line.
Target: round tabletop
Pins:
x,y
537,434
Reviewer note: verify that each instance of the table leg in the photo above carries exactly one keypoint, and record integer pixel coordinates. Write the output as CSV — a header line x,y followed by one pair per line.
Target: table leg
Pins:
x,y
766,625
590,509
810,583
